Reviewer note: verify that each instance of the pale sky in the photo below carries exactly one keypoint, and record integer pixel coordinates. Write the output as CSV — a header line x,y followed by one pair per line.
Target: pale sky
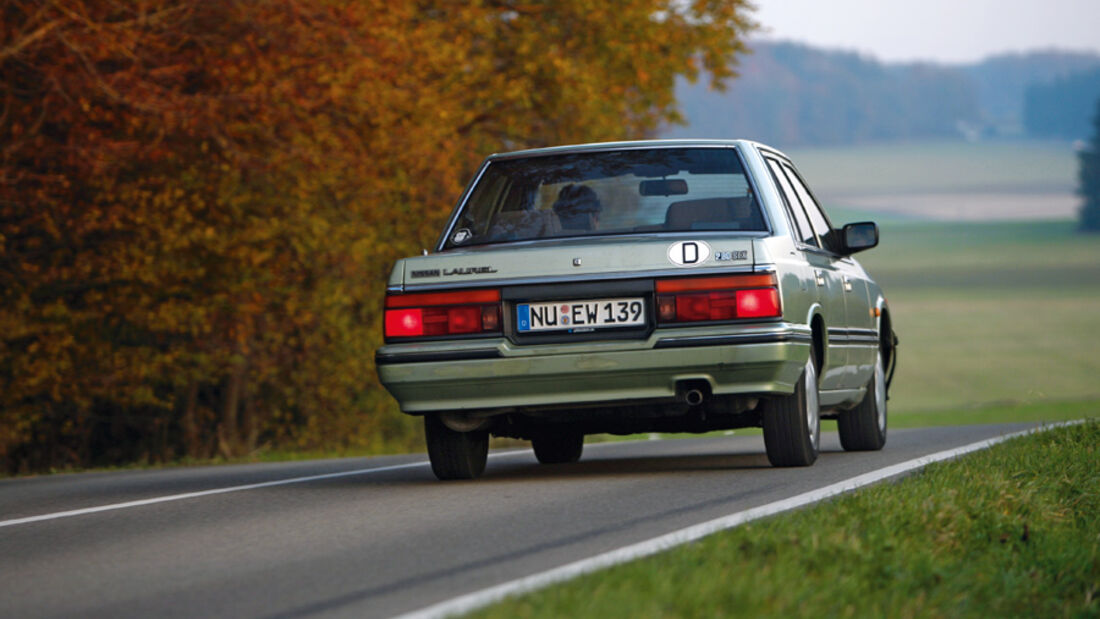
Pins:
x,y
939,30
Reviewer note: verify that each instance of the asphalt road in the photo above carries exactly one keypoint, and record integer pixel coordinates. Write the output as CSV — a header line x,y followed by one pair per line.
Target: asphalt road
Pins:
x,y
380,536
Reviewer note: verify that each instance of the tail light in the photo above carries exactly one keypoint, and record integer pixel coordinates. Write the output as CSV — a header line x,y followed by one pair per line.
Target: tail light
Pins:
x,y
728,297
435,314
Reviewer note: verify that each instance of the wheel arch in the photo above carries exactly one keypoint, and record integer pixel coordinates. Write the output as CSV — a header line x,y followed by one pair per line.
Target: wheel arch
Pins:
x,y
888,342
820,335
886,335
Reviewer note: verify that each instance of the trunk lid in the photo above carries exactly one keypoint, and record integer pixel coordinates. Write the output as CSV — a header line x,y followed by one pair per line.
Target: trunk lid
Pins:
x,y
572,260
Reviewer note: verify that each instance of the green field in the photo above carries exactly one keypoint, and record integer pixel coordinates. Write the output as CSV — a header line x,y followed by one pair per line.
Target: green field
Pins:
x,y
939,167
991,312
1008,532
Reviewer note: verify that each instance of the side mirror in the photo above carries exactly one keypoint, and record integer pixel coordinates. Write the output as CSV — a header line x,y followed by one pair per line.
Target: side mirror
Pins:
x,y
859,236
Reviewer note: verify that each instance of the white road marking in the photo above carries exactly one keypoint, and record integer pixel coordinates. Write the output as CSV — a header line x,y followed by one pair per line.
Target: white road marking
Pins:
x,y
267,484
201,493
479,599
192,495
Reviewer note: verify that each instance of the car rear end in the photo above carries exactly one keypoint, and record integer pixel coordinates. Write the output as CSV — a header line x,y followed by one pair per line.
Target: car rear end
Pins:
x,y
605,288
598,333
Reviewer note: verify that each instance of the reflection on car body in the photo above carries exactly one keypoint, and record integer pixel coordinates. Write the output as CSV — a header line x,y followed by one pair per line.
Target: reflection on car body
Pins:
x,y
673,286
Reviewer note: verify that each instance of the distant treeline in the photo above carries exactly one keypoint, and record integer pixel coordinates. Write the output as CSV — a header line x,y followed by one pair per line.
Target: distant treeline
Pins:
x,y
200,200
1062,107
791,94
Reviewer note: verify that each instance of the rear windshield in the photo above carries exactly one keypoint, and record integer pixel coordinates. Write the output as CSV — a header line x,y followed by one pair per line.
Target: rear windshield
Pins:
x,y
607,193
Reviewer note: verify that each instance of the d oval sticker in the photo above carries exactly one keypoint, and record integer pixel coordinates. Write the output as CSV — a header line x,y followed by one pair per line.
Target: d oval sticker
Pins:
x,y
689,253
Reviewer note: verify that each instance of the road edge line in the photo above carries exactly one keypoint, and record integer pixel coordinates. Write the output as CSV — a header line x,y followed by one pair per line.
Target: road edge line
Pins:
x,y
479,599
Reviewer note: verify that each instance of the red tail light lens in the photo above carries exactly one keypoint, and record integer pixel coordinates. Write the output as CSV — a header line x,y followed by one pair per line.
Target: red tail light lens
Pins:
x,y
706,306
465,319
437,314
758,303
723,298
404,323
461,297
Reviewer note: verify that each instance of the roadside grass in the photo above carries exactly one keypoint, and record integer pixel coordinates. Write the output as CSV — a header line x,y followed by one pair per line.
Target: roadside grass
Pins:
x,y
1037,412
1010,531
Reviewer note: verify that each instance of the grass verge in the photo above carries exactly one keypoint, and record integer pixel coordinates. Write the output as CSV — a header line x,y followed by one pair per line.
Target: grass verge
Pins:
x,y
1003,412
1011,531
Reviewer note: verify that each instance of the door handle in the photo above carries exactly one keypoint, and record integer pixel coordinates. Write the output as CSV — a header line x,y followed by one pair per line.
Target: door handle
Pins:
x,y
819,277
847,285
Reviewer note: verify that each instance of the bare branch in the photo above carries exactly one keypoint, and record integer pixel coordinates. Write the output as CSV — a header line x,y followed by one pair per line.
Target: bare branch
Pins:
x,y
31,38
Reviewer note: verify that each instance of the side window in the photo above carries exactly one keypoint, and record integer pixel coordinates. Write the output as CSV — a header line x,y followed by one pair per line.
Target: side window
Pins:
x,y
817,218
803,230
486,201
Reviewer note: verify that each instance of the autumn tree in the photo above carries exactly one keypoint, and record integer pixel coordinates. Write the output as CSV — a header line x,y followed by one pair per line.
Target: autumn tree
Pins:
x,y
200,201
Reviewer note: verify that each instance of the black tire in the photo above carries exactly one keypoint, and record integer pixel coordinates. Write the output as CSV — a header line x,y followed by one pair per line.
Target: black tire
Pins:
x,y
558,447
864,427
455,455
792,424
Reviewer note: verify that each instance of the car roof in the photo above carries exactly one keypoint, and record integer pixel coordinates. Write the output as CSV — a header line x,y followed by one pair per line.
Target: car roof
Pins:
x,y
627,145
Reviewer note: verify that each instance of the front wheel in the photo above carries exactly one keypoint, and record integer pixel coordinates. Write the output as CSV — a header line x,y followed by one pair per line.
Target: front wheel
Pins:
x,y
792,424
864,427
455,455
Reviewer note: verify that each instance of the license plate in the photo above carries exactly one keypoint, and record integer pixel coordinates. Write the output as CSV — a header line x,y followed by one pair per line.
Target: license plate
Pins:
x,y
579,315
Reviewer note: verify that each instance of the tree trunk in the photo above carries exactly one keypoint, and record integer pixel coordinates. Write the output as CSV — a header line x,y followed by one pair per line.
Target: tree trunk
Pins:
x,y
229,432
189,424
251,427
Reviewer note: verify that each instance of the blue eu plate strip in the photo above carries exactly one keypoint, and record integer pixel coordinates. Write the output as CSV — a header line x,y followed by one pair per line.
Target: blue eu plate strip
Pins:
x,y
523,317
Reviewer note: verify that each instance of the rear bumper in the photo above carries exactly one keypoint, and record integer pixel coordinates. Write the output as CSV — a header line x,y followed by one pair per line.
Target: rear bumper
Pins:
x,y
496,374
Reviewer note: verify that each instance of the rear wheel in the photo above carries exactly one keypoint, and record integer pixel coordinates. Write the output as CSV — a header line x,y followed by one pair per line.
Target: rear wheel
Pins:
x,y
558,447
455,455
792,424
864,427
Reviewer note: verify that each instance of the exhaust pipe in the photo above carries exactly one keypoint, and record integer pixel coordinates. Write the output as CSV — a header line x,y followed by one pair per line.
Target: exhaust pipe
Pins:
x,y
693,397
692,391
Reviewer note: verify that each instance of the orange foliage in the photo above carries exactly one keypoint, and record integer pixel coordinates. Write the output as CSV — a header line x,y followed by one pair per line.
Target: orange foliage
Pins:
x,y
200,201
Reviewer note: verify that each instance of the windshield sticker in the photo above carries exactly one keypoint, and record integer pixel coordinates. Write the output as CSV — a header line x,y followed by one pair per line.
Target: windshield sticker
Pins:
x,y
689,253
